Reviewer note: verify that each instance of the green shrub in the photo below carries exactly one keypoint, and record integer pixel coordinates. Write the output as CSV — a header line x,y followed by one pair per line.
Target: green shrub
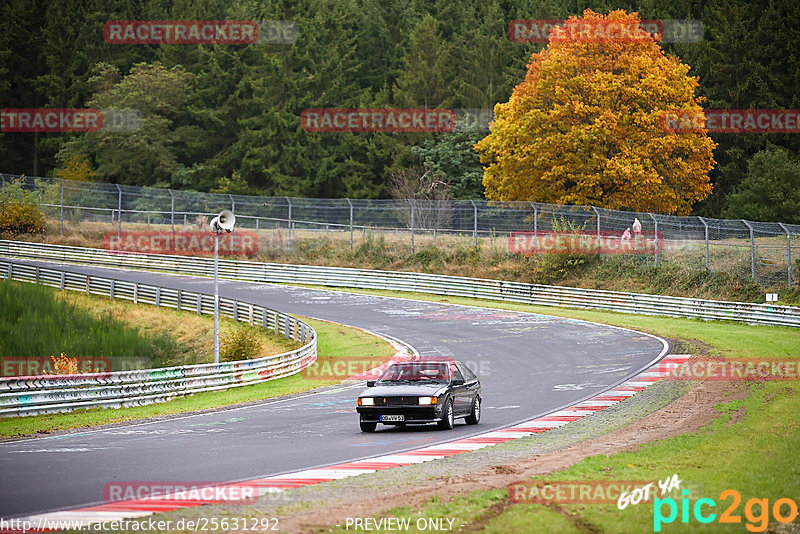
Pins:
x,y
241,344
21,217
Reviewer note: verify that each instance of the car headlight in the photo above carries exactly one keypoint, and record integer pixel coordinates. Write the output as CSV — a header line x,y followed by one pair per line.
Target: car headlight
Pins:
x,y
428,400
366,401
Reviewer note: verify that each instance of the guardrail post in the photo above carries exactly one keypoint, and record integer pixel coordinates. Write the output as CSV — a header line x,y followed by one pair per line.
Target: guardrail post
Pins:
x,y
264,317
655,235
178,304
705,225
158,296
119,210
752,251
289,242
36,278
199,304
286,328
351,222
535,227
412,225
136,293
235,310
172,210
63,279
788,254
62,205
111,290
475,224
88,284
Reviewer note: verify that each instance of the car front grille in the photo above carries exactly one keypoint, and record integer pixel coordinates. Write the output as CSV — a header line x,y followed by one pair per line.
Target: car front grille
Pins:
x,y
397,401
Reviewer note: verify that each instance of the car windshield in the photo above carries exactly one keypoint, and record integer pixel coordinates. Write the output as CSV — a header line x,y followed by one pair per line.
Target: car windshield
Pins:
x,y
417,372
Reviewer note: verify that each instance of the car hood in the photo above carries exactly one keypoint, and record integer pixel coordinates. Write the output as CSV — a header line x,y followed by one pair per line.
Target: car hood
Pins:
x,y
398,390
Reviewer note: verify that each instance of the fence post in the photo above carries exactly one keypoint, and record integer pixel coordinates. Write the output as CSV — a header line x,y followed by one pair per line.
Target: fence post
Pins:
x,y
351,223
788,254
412,225
597,214
752,251
172,210
705,225
119,210
535,227
3,192
655,235
60,181
289,242
475,224
233,210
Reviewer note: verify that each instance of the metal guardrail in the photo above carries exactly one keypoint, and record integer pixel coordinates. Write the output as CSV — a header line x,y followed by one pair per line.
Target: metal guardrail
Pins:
x,y
32,395
543,295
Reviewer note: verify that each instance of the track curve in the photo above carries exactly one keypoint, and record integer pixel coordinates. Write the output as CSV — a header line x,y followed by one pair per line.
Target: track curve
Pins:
x,y
522,360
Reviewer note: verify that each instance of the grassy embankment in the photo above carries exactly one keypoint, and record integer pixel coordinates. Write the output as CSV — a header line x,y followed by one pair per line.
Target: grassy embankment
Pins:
x,y
42,321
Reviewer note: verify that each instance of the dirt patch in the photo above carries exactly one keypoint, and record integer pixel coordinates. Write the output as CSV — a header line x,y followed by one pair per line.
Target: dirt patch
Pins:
x,y
686,414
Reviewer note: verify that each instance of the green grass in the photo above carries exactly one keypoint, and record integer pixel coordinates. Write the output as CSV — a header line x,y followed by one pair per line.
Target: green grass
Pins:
x,y
34,322
755,455
333,342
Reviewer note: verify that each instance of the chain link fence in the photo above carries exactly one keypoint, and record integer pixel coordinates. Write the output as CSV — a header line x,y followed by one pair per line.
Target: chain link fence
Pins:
x,y
767,252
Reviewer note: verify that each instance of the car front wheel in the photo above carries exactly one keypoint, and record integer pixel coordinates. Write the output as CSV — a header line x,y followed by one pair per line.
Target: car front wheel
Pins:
x,y
368,427
475,415
447,417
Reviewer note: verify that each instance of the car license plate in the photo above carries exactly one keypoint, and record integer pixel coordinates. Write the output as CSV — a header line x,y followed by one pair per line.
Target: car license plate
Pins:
x,y
393,418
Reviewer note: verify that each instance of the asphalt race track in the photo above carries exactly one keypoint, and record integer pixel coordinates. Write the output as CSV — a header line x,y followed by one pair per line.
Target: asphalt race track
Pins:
x,y
529,365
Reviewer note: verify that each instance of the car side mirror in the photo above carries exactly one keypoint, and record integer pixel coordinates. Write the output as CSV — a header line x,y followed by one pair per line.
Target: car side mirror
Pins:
x,y
458,381
370,383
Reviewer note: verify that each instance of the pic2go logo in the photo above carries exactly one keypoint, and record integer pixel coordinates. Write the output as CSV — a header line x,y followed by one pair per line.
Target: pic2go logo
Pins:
x,y
757,511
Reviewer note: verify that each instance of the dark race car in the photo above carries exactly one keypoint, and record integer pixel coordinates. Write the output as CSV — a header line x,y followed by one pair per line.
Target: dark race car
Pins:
x,y
419,392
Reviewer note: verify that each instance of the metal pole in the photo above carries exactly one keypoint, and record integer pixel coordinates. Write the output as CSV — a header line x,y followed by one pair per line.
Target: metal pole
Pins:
x,y
535,227
655,236
752,251
216,297
62,205
412,225
597,214
705,225
289,243
119,210
172,210
475,224
788,254
351,222
233,210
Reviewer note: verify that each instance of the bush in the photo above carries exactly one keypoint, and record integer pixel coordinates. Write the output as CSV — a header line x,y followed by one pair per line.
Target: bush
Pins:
x,y
21,217
241,344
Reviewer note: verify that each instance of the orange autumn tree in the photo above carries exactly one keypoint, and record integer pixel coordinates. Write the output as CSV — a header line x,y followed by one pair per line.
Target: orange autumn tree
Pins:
x,y
583,127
